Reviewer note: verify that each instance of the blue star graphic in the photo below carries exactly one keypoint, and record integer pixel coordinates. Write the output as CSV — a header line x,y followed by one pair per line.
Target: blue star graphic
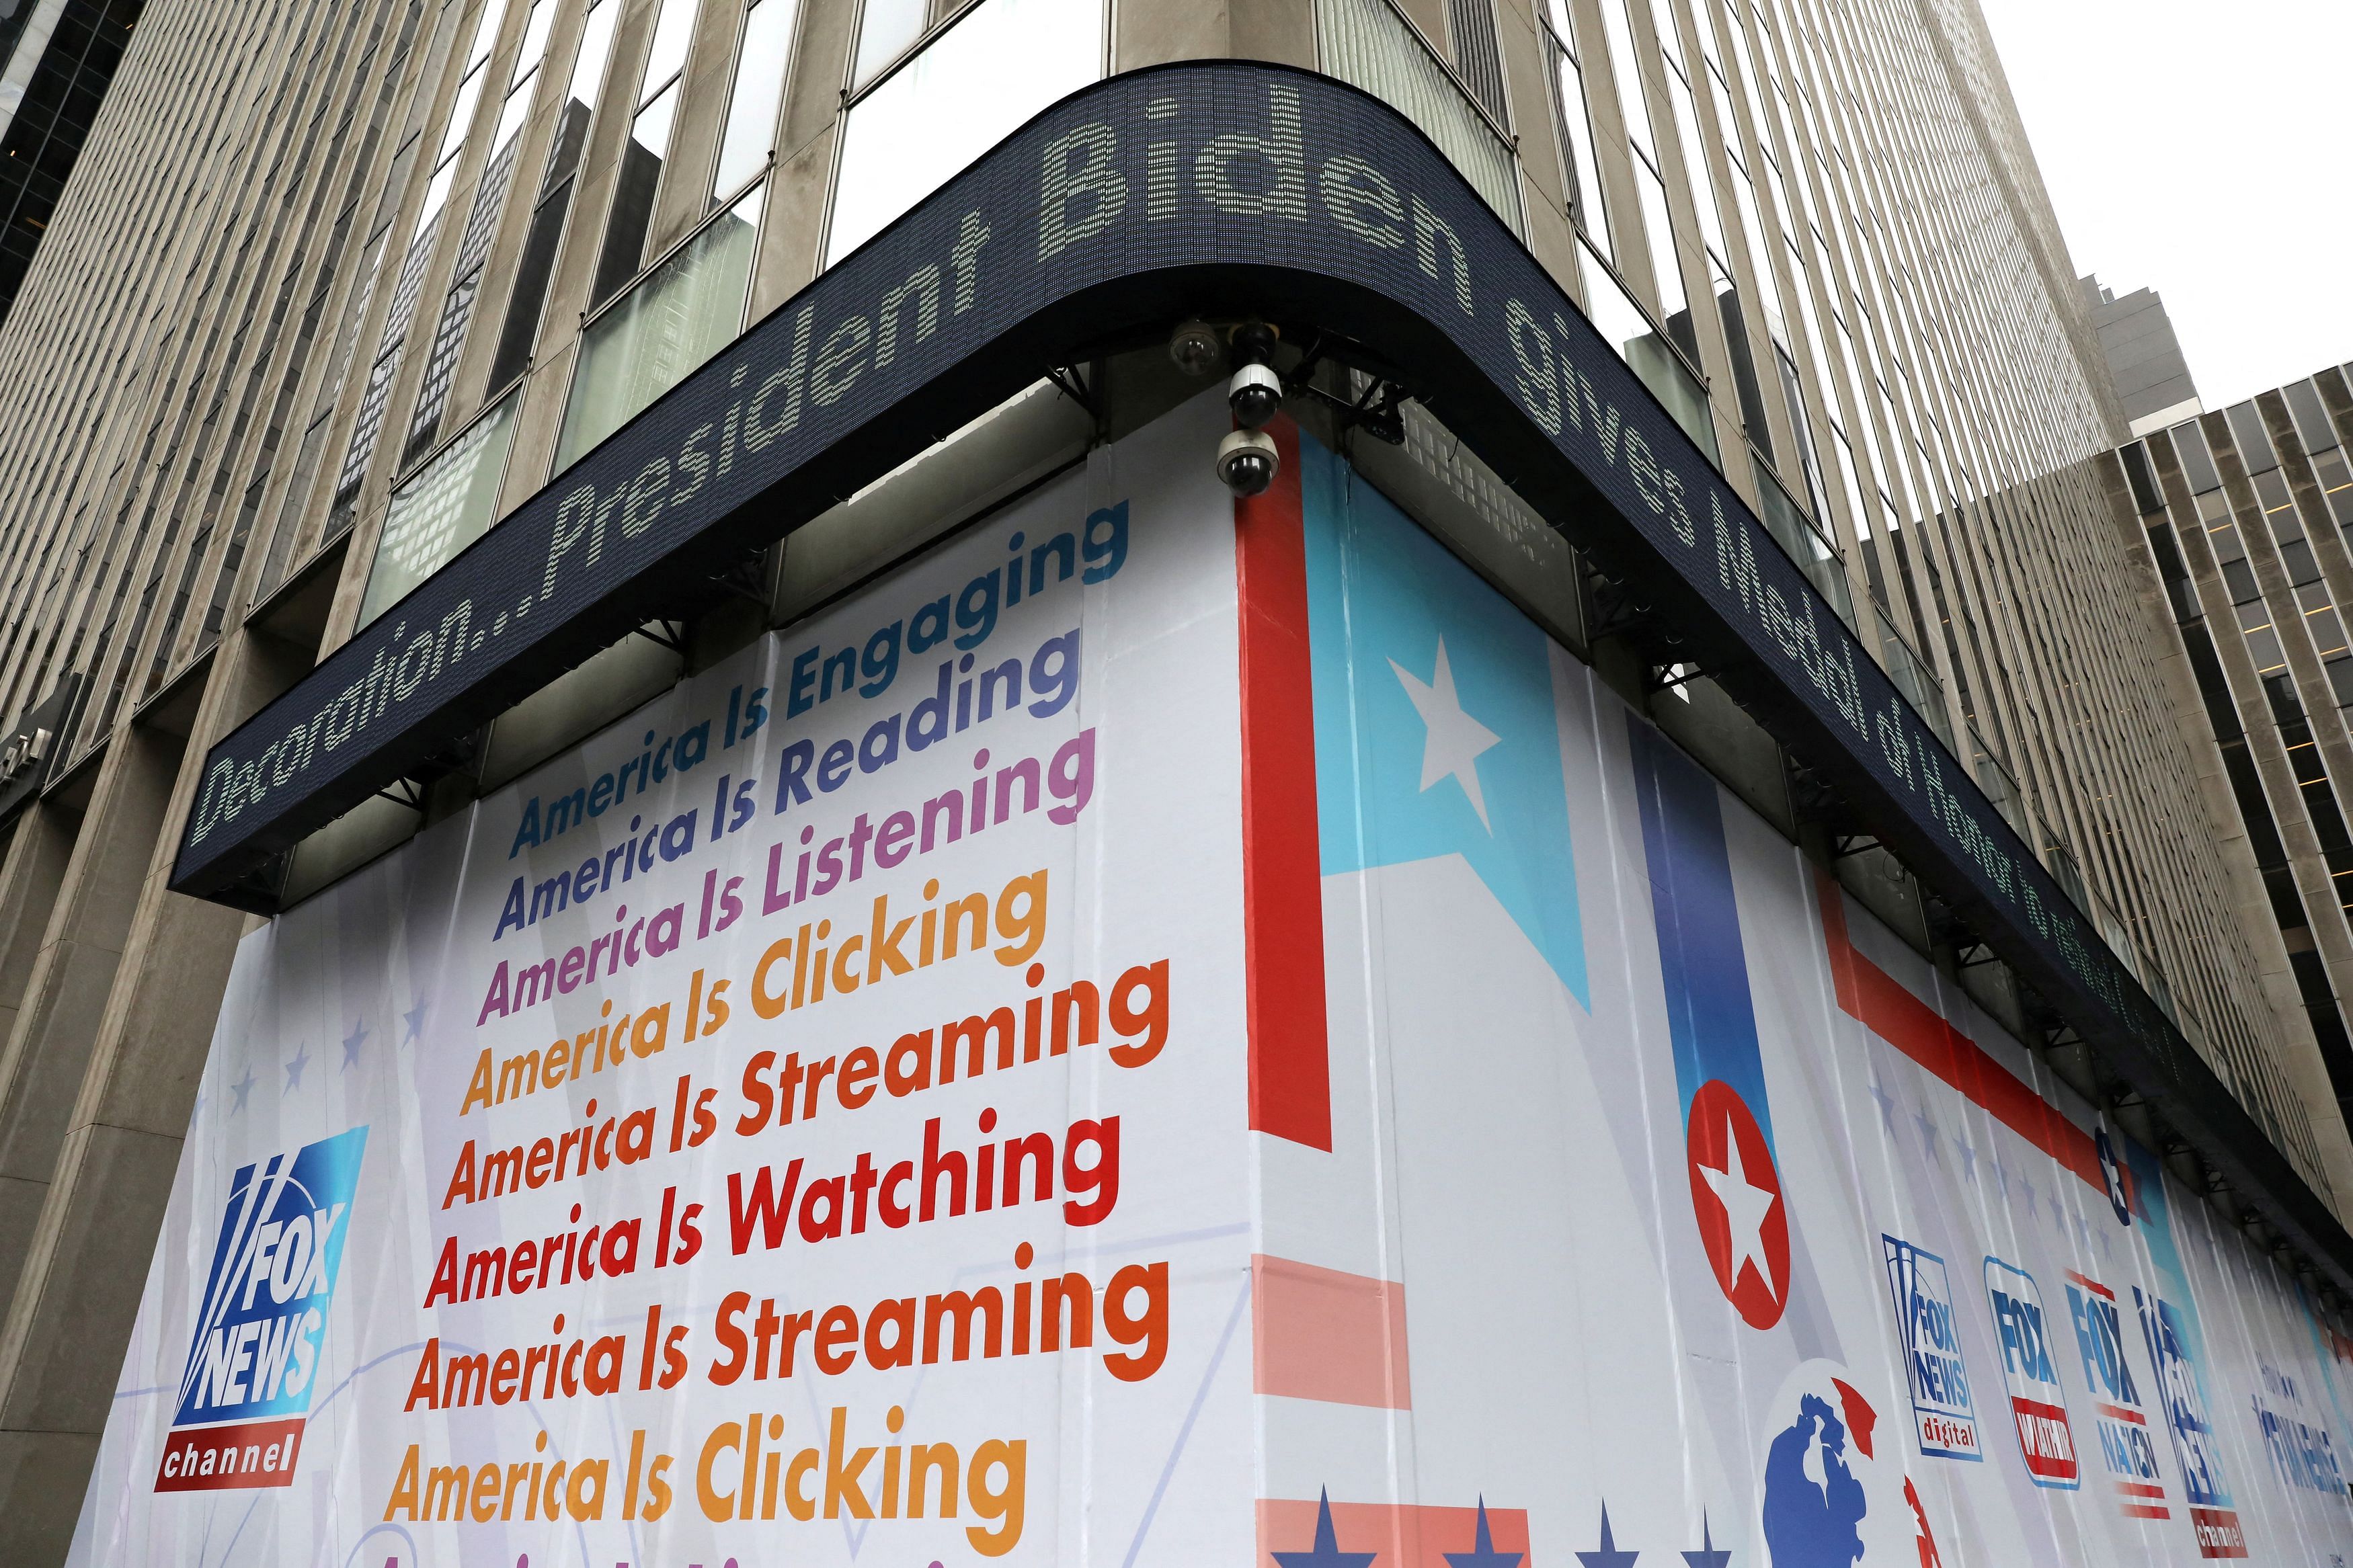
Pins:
x,y
2105,1250
1607,1554
2031,1211
1327,1552
294,1068
353,1042
1709,1555
243,1087
1483,1552
1886,1106
415,1019
1927,1134
2001,1175
1969,1158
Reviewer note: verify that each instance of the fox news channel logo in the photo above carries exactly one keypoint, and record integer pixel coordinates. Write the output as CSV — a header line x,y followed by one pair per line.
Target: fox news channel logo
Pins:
x,y
255,1356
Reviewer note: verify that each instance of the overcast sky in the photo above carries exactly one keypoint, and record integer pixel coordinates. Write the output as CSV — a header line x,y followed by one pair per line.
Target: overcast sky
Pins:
x,y
2202,150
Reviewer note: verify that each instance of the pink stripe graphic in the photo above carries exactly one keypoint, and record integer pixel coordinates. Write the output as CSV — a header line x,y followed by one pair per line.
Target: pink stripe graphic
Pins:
x,y
1319,1333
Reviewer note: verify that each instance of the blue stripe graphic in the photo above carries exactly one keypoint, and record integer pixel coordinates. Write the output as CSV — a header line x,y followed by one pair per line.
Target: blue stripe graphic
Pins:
x,y
1710,1016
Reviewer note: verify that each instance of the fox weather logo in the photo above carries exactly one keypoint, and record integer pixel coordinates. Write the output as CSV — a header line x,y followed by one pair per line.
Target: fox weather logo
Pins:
x,y
255,1356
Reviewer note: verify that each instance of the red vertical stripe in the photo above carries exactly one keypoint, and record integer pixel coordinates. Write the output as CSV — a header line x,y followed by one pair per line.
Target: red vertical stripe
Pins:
x,y
1282,896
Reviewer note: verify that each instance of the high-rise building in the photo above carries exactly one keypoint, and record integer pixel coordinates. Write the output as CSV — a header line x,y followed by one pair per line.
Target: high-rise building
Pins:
x,y
357,309
2152,379
57,59
2244,512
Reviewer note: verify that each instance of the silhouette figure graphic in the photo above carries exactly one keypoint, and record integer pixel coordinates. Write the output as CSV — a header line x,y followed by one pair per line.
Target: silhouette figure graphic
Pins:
x,y
1810,1523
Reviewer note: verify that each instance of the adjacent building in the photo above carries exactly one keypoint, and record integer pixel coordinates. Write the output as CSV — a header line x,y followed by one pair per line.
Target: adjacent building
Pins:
x,y
340,285
57,59
2152,379
2244,513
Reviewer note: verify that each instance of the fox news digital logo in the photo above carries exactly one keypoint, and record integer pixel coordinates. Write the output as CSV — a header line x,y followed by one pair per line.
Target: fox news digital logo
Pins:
x,y
246,1389
1943,1414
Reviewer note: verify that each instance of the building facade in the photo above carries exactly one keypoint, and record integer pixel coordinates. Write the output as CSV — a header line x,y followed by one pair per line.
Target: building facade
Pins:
x,y
344,283
2153,383
57,60
2244,513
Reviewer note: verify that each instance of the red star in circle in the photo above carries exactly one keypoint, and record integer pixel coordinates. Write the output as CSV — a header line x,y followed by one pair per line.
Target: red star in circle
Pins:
x,y
1737,1198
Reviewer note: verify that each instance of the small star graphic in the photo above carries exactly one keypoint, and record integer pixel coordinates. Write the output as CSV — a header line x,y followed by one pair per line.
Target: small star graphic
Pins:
x,y
2031,1211
294,1068
1607,1554
1327,1552
353,1042
2105,1250
1968,1154
415,1019
1709,1555
243,1087
1454,740
1483,1552
2001,1175
1927,1135
1886,1106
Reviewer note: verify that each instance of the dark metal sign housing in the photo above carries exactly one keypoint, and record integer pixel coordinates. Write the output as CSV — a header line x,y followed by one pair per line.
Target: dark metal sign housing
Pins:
x,y
1221,189
29,749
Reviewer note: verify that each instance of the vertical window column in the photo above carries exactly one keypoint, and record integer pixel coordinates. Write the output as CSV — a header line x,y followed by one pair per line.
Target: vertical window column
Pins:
x,y
1477,57
2323,450
648,152
536,265
748,138
410,281
1573,122
473,249
1666,272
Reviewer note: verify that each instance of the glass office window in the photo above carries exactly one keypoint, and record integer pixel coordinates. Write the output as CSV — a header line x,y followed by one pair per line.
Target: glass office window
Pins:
x,y
1477,58
444,507
1620,321
648,151
2197,462
759,88
2312,423
369,424
1574,121
1625,71
685,310
1369,44
666,56
2254,440
1667,271
997,65
473,251
536,265
887,29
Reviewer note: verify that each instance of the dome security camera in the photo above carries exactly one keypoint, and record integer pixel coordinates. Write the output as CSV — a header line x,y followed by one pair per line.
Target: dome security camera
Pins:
x,y
1254,394
1247,462
1195,349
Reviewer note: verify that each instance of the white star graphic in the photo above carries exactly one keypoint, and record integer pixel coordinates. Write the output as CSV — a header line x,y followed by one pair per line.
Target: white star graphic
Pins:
x,y
1746,1208
1455,739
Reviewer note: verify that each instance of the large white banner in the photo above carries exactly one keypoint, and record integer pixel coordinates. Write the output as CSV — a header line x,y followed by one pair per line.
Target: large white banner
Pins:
x,y
1169,1034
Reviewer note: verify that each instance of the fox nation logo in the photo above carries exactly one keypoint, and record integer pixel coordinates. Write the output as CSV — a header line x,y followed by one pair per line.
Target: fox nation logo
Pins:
x,y
246,1389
